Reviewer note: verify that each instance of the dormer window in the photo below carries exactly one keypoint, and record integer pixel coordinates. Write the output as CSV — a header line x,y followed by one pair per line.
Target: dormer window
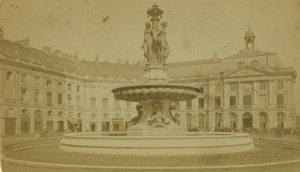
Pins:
x,y
9,75
48,82
24,78
69,87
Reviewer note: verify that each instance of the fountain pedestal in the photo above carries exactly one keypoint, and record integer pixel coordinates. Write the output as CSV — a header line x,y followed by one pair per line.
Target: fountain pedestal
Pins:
x,y
156,120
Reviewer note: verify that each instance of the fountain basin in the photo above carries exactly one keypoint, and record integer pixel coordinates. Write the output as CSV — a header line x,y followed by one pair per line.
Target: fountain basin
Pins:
x,y
187,144
148,91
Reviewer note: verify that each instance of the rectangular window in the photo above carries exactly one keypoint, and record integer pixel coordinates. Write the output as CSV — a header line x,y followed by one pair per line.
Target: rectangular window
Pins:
x,y
263,85
201,103
24,78
59,99
23,94
247,100
189,104
263,100
9,75
59,84
93,102
69,87
232,102
280,100
49,99
69,100
117,104
105,102
37,80
233,86
217,102
78,88
48,82
36,95
280,85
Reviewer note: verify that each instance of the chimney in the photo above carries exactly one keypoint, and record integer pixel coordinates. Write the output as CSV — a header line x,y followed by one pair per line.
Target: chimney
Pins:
x,y
58,53
1,34
24,42
47,50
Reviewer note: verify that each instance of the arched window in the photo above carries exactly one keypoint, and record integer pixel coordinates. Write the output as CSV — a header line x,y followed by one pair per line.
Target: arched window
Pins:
x,y
38,121
280,119
263,120
218,120
201,121
233,120
247,120
188,121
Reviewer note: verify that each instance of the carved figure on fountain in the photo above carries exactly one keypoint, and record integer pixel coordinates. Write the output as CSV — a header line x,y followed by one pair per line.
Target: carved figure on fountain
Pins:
x,y
158,121
137,118
175,118
155,45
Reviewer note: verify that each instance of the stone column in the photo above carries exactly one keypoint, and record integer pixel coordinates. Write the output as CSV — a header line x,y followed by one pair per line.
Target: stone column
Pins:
x,y
2,126
18,125
31,123
255,117
240,96
225,96
226,119
255,94
289,95
271,94
66,124
55,123
239,121
99,126
212,121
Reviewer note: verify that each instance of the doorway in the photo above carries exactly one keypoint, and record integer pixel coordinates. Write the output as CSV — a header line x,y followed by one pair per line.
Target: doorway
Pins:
x,y
247,120
93,127
10,126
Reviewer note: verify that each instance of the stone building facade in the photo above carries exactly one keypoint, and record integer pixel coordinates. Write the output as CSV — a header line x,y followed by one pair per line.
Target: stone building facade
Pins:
x,y
49,91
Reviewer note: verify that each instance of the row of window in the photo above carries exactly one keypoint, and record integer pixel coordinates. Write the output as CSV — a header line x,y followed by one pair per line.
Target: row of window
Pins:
x,y
49,100
11,76
247,102
37,114
247,120
262,86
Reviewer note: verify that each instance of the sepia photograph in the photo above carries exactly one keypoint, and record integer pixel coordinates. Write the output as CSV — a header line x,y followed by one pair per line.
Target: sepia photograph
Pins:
x,y
149,85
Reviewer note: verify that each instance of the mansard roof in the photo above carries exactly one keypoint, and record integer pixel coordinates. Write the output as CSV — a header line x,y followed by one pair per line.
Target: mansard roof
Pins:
x,y
199,68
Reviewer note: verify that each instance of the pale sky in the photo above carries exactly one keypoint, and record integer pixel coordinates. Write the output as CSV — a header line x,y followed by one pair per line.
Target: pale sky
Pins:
x,y
196,28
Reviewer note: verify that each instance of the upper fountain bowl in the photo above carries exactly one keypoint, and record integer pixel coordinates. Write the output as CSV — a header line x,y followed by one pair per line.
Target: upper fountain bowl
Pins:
x,y
161,91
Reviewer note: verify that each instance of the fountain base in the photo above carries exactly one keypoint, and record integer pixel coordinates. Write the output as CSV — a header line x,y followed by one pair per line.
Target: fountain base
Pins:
x,y
188,144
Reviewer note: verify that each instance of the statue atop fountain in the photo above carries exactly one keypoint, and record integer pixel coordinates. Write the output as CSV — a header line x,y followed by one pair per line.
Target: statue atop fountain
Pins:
x,y
155,46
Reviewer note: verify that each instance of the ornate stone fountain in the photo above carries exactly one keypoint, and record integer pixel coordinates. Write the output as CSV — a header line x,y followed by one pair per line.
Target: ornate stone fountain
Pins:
x,y
155,94
154,130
